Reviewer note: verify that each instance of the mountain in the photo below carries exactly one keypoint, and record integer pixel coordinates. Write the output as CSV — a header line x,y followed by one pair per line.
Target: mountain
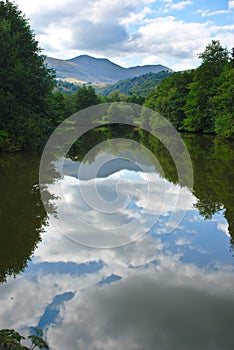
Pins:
x,y
141,85
98,70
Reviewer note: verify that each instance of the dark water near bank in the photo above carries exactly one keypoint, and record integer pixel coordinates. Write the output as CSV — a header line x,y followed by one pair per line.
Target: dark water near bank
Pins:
x,y
170,289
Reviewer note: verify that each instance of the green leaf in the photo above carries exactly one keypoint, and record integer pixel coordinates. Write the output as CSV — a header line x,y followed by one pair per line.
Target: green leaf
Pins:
x,y
3,133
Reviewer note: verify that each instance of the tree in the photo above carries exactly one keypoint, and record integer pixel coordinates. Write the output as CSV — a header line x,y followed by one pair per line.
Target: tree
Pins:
x,y
25,82
169,97
85,97
58,107
223,103
207,79
10,339
214,58
200,100
117,96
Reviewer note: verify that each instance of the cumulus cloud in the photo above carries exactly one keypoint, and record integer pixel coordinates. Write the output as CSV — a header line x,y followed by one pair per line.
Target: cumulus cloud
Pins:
x,y
123,29
148,310
83,25
137,17
98,36
178,38
163,302
118,209
56,247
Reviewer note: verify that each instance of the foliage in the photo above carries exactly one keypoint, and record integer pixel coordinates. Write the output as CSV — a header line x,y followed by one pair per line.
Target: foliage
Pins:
x,y
199,106
3,135
138,86
85,97
64,105
58,107
66,87
212,160
25,83
20,198
200,100
223,103
10,339
170,97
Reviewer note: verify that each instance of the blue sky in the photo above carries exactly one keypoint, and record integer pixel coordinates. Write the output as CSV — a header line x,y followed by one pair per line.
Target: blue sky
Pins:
x,y
130,32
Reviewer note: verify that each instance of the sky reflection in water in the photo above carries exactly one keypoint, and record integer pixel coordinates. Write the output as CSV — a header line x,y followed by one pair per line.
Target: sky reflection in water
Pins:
x,y
167,290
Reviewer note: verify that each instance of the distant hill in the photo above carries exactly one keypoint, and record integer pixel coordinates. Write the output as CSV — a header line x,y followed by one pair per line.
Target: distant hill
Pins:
x,y
141,85
66,87
98,70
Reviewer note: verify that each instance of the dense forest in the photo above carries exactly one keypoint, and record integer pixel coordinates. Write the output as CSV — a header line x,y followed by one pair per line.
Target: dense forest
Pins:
x,y
199,100
26,84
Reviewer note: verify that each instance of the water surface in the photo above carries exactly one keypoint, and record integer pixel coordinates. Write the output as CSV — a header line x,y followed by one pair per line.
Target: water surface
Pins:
x,y
172,288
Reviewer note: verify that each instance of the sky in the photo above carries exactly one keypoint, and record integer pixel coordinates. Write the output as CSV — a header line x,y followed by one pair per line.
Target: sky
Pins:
x,y
131,32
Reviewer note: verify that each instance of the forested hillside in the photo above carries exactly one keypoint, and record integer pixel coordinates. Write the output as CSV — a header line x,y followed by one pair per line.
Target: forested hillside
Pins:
x,y
139,86
135,86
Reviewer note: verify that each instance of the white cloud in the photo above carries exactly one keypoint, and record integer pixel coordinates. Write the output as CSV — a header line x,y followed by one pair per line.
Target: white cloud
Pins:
x,y
178,40
147,300
231,4
183,242
56,247
120,206
164,309
125,31
154,59
158,301
224,227
136,18
207,13
89,24
177,5
81,207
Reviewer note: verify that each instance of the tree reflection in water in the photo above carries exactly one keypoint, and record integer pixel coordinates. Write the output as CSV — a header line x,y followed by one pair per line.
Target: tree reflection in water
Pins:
x,y
22,213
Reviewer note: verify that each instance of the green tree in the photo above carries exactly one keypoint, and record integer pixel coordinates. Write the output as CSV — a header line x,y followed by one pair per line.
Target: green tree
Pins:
x,y
214,58
117,96
207,78
85,97
10,339
136,99
25,82
69,105
169,97
223,103
58,107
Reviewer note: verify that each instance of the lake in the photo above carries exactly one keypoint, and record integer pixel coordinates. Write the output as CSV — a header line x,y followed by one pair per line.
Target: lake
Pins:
x,y
150,266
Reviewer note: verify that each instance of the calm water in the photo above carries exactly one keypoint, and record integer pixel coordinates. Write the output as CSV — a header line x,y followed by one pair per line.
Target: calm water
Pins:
x,y
173,288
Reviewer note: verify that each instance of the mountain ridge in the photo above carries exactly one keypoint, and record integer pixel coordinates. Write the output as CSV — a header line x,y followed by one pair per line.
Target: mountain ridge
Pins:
x,y
139,86
98,70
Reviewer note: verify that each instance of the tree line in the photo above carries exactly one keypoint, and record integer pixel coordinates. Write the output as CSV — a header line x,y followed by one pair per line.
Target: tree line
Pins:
x,y
199,100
